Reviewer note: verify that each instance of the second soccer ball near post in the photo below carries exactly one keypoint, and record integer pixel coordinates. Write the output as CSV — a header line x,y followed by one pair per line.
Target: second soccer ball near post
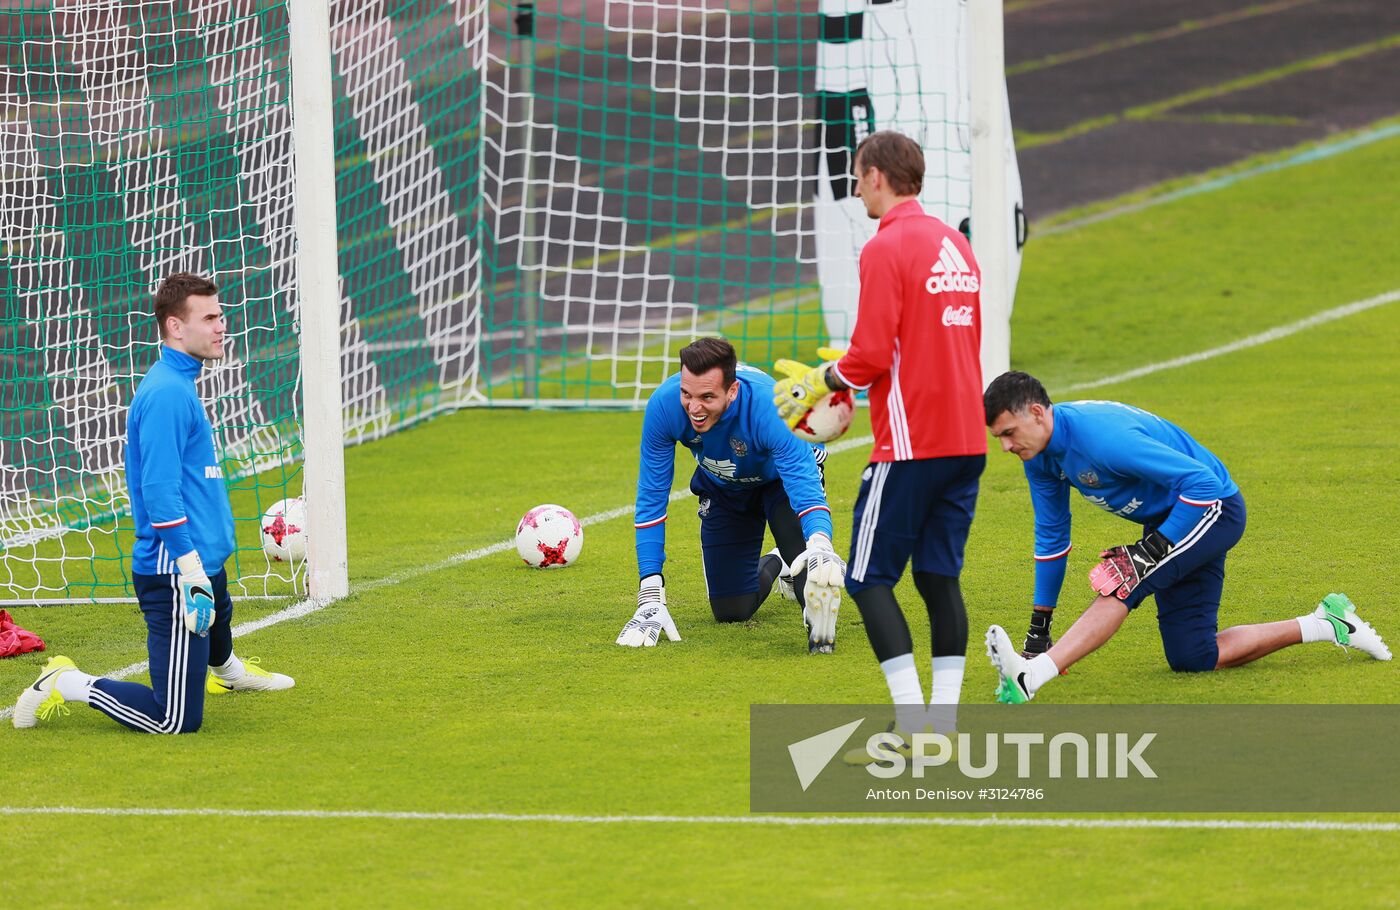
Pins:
x,y
284,530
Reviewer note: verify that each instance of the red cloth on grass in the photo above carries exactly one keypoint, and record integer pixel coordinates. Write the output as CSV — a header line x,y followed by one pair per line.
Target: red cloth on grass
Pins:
x,y
14,640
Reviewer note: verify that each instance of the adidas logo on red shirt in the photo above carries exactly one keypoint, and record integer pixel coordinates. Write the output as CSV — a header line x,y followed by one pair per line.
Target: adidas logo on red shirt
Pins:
x,y
951,273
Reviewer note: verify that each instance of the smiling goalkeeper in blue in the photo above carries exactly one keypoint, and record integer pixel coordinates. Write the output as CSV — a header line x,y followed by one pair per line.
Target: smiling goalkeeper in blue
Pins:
x,y
1148,470
752,472
184,533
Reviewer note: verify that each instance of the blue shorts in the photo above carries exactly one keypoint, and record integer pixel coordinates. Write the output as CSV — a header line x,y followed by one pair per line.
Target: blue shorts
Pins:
x,y
732,524
918,508
174,701
1188,583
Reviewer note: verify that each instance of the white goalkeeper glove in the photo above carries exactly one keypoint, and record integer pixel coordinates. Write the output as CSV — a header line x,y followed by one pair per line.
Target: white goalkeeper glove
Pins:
x,y
651,619
196,594
823,566
826,576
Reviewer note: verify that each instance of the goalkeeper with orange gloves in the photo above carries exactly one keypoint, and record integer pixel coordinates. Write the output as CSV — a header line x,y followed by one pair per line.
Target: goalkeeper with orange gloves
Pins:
x,y
1138,466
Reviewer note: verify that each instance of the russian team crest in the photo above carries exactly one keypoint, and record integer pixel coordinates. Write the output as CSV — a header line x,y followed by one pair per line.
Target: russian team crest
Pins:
x,y
738,445
704,510
1089,478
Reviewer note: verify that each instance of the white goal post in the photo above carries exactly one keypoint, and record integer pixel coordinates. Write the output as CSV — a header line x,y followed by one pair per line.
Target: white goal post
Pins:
x,y
318,269
995,219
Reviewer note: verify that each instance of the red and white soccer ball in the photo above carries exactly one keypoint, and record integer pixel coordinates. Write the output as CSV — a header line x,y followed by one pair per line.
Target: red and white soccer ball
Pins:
x,y
284,530
828,418
549,537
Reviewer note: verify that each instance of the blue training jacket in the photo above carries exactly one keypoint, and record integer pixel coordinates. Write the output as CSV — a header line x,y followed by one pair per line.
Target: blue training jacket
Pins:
x,y
749,445
1125,461
178,499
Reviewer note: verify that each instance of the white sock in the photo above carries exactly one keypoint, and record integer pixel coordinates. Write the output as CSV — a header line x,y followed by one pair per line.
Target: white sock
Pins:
x,y
231,669
1040,670
1315,628
74,685
906,692
947,680
903,679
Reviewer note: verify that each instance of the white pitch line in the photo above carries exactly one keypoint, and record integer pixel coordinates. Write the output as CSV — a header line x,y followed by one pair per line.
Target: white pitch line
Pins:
x,y
307,607
1308,156
819,821
1283,331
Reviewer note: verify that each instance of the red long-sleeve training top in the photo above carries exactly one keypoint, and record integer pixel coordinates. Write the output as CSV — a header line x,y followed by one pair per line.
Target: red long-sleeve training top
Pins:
x,y
918,338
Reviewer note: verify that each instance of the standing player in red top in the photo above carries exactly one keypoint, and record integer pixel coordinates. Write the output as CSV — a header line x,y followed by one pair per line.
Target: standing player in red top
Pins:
x,y
916,347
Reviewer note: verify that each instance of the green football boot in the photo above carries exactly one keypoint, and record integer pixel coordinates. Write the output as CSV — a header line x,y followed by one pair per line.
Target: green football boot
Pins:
x,y
1348,629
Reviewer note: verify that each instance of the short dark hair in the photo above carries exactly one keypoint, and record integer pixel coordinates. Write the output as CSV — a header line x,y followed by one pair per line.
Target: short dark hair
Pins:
x,y
174,292
1014,391
704,354
897,156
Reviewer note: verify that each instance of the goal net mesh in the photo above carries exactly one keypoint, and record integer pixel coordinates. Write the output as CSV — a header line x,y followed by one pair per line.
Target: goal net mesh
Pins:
x,y
535,209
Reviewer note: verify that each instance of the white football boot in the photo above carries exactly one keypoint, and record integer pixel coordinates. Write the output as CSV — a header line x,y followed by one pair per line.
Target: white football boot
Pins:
x,y
1348,629
1010,666
254,679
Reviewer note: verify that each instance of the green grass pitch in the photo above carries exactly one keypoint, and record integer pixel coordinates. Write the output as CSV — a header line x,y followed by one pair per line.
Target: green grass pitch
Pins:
x,y
481,686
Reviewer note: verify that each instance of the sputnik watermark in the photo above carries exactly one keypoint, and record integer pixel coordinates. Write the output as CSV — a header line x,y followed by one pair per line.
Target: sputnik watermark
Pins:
x,y
1113,758
1117,755
978,757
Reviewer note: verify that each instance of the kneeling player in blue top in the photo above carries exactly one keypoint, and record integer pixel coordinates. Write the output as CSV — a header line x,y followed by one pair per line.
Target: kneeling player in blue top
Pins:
x,y
752,472
184,533
1149,471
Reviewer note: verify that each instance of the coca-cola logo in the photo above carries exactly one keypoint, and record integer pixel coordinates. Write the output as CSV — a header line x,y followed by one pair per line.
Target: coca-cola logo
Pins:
x,y
957,315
